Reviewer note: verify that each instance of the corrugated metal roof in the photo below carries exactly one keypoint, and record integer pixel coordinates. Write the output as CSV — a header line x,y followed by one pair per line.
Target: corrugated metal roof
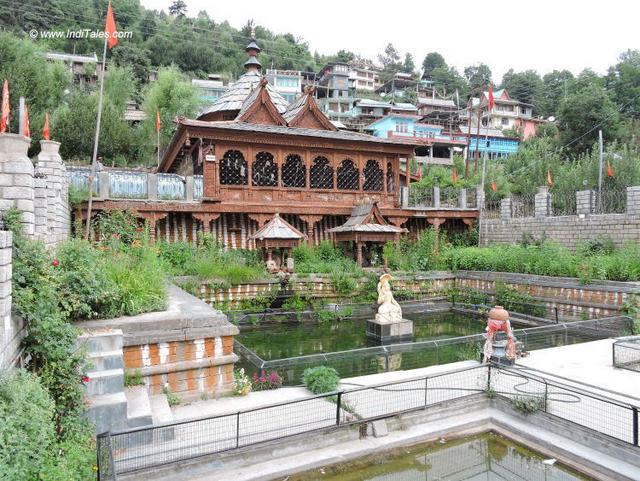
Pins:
x,y
373,103
67,57
238,92
404,106
278,228
436,102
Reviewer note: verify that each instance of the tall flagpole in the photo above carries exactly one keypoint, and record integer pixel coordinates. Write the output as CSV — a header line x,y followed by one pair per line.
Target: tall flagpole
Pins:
x,y
158,133
95,143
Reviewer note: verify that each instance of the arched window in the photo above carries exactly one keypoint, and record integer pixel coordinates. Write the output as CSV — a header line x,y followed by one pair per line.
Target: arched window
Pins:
x,y
321,173
264,170
294,172
233,168
373,178
390,178
348,175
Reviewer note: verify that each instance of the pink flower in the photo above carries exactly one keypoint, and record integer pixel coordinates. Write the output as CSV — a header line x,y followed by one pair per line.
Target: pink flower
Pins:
x,y
85,379
56,263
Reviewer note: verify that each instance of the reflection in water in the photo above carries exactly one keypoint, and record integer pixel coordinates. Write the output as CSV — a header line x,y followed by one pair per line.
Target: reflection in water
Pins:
x,y
487,457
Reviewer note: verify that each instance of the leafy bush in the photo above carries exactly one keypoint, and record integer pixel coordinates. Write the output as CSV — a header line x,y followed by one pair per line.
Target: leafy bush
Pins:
x,y
118,226
242,383
173,399
321,379
265,381
527,404
343,283
324,258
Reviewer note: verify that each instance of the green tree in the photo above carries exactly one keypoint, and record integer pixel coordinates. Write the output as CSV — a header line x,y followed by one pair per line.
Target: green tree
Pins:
x,y
345,56
408,66
478,77
449,80
523,86
390,61
173,96
432,61
623,79
582,113
555,87
178,8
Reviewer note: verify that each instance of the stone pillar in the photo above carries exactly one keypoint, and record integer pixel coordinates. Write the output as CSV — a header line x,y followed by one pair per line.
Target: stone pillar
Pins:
x,y
542,202
584,202
16,179
43,229
188,190
11,329
480,198
462,199
152,186
404,197
49,164
104,185
633,200
436,197
505,208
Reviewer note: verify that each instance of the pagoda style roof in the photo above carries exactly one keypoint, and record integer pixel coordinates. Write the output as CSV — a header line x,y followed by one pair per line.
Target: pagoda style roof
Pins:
x,y
239,91
278,228
307,106
367,218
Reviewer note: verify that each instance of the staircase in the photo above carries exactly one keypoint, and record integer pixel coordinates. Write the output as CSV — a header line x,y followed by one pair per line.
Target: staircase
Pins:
x,y
110,405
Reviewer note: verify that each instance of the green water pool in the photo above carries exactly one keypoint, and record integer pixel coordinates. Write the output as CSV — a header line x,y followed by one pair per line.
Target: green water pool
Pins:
x,y
486,457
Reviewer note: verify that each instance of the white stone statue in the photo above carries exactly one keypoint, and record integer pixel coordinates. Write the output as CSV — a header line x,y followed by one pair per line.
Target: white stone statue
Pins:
x,y
389,311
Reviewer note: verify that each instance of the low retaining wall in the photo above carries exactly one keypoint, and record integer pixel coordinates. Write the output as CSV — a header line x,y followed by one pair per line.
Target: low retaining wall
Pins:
x,y
598,299
567,230
187,349
12,330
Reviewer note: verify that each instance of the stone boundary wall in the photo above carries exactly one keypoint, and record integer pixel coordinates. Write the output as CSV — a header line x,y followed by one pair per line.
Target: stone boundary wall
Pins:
x,y
598,299
12,330
39,191
567,230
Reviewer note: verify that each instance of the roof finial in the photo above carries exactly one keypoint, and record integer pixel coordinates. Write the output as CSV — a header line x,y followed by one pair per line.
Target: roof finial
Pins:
x,y
253,50
253,32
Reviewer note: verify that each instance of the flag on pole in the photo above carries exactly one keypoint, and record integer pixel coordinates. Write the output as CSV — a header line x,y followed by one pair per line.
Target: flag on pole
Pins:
x,y
110,28
26,130
419,172
158,123
6,109
549,178
494,186
454,175
609,170
491,99
45,128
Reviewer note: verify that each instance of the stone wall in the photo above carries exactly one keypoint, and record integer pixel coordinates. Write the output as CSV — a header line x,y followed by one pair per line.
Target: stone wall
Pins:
x,y
568,230
12,329
40,192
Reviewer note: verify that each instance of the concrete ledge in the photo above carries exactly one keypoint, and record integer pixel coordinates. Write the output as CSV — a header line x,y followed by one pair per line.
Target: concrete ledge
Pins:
x,y
186,365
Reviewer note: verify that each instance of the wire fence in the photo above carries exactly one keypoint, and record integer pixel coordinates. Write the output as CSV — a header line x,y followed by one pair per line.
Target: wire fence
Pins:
x,y
139,449
563,203
450,197
626,353
492,209
523,205
610,201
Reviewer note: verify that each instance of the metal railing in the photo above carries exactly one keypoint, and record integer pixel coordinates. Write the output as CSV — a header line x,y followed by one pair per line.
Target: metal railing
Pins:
x,y
492,209
450,197
610,201
563,203
626,353
140,449
523,205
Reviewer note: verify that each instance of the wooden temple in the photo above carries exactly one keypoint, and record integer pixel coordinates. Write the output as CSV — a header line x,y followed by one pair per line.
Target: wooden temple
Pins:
x,y
260,156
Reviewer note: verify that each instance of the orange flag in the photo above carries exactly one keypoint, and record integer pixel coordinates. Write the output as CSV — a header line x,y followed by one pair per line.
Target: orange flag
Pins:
x,y
26,130
494,186
158,123
454,175
549,178
6,109
110,28
45,128
491,99
609,170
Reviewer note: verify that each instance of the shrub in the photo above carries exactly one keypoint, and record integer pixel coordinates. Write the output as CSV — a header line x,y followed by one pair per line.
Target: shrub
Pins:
x,y
133,378
343,283
173,399
321,379
118,226
528,404
242,383
266,381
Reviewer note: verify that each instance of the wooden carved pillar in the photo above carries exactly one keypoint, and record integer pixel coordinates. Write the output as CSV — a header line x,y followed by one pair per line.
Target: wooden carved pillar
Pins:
x,y
260,219
151,219
436,222
398,221
311,221
470,223
359,254
206,218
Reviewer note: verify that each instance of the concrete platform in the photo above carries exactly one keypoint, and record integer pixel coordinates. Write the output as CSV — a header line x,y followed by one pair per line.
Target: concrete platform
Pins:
x,y
589,363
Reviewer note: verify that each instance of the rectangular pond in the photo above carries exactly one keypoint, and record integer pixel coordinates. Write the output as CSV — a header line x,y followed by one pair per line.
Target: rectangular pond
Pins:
x,y
291,346
486,457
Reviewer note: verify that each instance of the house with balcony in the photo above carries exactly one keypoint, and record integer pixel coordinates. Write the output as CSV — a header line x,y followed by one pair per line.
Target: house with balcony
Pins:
x,y
85,69
287,83
433,144
364,75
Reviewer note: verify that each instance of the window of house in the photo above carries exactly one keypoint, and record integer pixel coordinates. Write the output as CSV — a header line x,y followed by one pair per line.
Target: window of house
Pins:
x,y
264,170
348,176
373,177
233,168
321,173
505,121
294,172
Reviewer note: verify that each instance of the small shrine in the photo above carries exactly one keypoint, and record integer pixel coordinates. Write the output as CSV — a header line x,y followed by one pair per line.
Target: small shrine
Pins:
x,y
365,231
275,240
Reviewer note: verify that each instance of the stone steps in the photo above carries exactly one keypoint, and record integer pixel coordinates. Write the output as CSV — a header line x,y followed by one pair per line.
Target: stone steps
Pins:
x,y
106,360
109,381
138,407
108,412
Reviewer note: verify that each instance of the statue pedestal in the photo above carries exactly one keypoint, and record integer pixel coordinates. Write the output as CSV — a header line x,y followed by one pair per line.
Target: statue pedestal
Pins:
x,y
389,332
499,355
